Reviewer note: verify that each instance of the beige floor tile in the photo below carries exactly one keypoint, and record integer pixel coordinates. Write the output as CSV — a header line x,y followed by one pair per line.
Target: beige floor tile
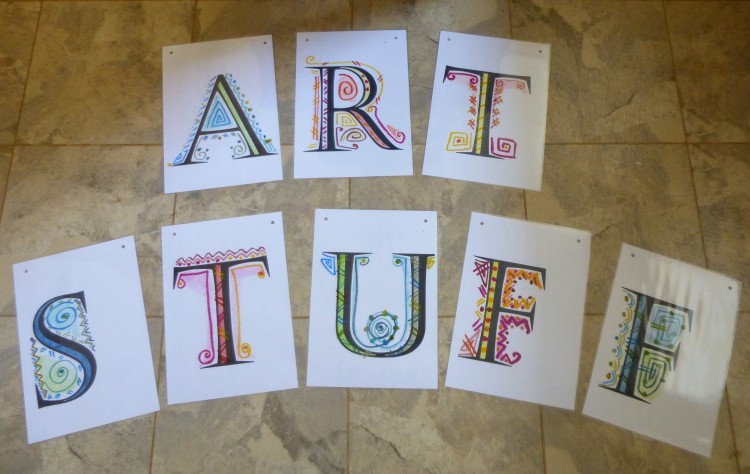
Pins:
x,y
443,430
423,22
738,387
454,202
302,430
711,45
577,443
96,71
722,174
611,76
19,22
124,446
282,19
62,198
636,194
295,199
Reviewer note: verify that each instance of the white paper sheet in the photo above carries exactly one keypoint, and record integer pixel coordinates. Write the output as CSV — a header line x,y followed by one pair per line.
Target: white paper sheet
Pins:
x,y
221,122
664,351
352,105
489,111
373,310
525,283
227,316
85,354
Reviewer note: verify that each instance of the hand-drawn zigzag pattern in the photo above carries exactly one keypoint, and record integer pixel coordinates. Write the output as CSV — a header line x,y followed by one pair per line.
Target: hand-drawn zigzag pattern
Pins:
x,y
219,257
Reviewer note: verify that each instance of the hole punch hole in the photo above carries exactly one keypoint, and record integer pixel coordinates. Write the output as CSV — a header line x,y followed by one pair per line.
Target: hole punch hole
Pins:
x,y
395,37
481,223
123,245
171,52
540,50
27,271
730,288
307,40
325,218
448,38
273,222
174,234
425,221
265,42
578,240
632,255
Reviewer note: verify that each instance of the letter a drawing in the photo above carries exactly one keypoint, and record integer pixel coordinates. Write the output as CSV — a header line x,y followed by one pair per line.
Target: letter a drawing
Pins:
x,y
226,127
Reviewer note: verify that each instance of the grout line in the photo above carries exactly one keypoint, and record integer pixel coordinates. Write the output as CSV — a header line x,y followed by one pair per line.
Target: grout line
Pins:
x,y
541,431
697,206
510,17
156,414
525,207
195,19
680,102
28,72
348,430
351,14
174,209
736,451
89,145
7,183
31,145
163,333
20,111
684,131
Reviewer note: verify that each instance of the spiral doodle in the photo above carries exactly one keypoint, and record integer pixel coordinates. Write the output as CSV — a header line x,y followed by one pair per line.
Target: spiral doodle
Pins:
x,y
503,148
353,135
382,327
244,350
206,356
62,376
473,78
62,315
347,89
239,149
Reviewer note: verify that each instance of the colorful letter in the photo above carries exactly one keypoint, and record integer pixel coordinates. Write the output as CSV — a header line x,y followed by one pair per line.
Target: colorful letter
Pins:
x,y
383,333
647,345
346,108
215,275
62,350
485,96
226,126
501,308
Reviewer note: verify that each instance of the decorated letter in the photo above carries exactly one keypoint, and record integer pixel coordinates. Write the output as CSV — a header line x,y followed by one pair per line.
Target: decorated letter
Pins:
x,y
373,308
352,105
227,314
221,124
489,110
382,333
663,356
84,341
62,350
520,311
214,275
506,306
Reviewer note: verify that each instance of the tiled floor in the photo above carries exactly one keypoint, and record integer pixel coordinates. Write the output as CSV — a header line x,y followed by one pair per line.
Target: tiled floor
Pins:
x,y
648,142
